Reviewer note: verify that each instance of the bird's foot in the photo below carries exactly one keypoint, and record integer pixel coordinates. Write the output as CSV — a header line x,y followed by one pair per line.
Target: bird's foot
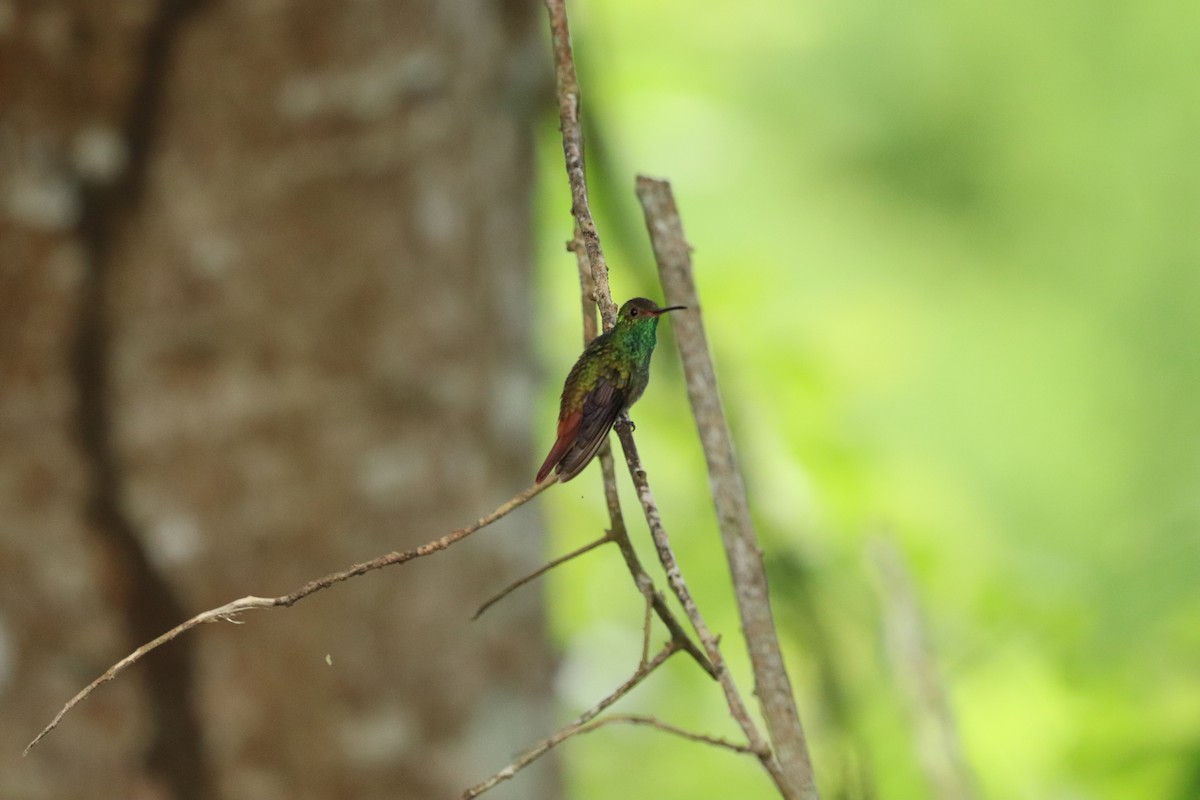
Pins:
x,y
624,417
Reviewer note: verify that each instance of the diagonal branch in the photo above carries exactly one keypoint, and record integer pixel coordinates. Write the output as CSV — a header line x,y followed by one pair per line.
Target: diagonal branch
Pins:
x,y
568,102
616,520
791,770
654,722
644,582
540,571
576,727
772,686
227,612
662,545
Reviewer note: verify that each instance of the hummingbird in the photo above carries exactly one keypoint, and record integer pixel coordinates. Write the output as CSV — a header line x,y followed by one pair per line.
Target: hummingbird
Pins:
x,y
608,378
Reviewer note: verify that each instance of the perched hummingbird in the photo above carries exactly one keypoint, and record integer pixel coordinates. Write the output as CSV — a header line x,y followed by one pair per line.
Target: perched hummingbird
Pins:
x,y
607,379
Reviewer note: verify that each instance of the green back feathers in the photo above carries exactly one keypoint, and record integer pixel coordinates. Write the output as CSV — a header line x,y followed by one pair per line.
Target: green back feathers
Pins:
x,y
621,356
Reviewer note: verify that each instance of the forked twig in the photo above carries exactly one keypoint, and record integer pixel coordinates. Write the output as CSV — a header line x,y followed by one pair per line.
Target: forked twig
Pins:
x,y
612,499
567,731
662,545
568,101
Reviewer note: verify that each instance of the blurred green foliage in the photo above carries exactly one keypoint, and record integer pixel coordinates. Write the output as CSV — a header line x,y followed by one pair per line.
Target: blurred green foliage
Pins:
x,y
950,262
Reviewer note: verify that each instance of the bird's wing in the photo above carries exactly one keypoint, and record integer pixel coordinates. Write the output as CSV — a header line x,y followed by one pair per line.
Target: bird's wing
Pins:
x,y
568,427
601,406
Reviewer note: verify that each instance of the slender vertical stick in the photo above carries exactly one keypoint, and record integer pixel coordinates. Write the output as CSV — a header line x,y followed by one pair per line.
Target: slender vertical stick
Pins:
x,y
772,686
572,136
917,673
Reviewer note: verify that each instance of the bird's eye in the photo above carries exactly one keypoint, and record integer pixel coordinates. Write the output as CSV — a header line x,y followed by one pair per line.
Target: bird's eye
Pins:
x,y
633,312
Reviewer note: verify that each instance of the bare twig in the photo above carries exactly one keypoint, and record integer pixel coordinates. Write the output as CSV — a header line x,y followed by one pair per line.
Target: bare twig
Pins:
x,y
916,669
537,573
572,134
612,499
654,722
568,101
711,644
772,686
229,611
544,746
647,627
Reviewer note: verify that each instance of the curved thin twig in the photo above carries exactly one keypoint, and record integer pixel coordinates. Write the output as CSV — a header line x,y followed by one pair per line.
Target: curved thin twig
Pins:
x,y
567,731
229,611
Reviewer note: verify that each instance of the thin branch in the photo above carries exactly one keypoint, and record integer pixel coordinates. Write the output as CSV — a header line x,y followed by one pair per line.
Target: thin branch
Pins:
x,y
938,745
647,627
540,571
547,744
643,580
612,498
654,722
673,255
229,611
587,286
572,134
711,644
568,102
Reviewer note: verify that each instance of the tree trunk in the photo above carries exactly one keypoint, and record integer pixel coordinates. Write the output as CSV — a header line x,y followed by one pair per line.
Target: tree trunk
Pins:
x,y
264,312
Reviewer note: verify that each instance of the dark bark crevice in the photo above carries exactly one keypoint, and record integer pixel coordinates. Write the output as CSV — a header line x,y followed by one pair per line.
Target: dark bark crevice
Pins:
x,y
176,756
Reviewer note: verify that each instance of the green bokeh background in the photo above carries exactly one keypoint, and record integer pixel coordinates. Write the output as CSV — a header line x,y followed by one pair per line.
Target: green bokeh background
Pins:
x,y
950,266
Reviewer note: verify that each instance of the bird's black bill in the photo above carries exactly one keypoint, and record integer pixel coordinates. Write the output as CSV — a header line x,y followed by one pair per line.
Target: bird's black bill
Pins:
x,y
672,308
